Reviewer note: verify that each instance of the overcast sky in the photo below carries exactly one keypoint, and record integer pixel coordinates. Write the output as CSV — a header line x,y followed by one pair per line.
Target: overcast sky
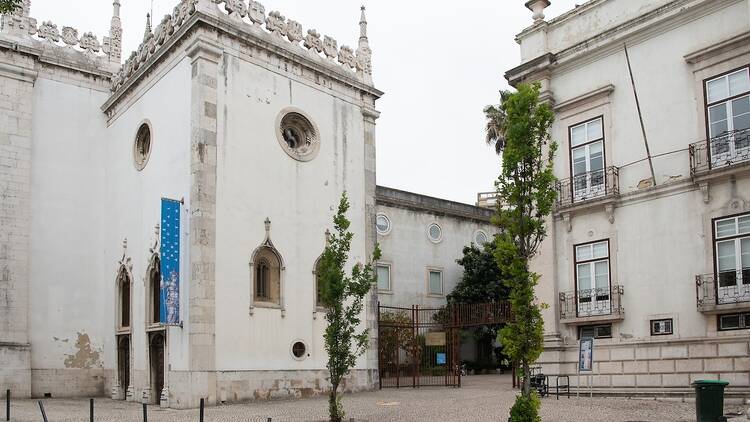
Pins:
x,y
439,63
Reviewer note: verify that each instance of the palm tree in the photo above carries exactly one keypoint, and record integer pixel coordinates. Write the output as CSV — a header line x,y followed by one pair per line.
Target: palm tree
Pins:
x,y
9,6
495,129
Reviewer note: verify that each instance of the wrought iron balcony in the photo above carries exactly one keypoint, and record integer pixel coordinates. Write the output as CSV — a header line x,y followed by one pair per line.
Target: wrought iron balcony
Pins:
x,y
719,152
585,187
592,305
732,292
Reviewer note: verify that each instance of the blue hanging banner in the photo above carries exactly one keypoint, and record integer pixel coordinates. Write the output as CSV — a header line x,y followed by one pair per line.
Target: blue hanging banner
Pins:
x,y
169,304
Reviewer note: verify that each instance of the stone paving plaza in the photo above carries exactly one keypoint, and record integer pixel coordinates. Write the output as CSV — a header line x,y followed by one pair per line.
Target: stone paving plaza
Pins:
x,y
482,398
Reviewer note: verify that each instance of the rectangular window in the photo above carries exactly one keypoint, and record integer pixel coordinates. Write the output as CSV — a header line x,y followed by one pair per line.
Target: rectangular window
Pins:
x,y
595,331
732,252
661,327
436,282
728,110
587,159
734,322
384,277
592,278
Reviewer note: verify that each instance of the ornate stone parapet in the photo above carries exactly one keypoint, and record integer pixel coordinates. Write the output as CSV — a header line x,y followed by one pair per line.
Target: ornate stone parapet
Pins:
x,y
253,13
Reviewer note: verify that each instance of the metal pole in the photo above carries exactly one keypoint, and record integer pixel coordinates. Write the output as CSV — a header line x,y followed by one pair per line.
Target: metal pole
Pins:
x,y
91,410
201,413
145,413
44,415
7,405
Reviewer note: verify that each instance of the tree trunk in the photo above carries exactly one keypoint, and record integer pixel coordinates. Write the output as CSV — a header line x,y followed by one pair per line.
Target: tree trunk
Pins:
x,y
333,408
526,388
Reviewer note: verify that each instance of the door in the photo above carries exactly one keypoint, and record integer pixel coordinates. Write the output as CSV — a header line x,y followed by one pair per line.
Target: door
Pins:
x,y
733,266
587,160
592,279
729,117
123,362
156,357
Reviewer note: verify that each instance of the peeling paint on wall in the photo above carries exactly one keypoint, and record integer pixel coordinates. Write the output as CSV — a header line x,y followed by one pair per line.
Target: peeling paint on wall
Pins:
x,y
86,356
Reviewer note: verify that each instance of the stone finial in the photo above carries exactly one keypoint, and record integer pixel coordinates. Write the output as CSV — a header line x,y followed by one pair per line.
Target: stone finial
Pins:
x,y
328,237
147,32
113,43
362,25
363,59
537,6
330,47
267,222
256,12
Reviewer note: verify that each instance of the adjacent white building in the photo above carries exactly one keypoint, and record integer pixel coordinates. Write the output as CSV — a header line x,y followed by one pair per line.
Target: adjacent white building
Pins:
x,y
649,246
251,127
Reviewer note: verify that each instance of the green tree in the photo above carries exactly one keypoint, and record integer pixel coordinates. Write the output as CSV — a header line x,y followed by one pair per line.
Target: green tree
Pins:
x,y
343,295
9,6
526,194
481,282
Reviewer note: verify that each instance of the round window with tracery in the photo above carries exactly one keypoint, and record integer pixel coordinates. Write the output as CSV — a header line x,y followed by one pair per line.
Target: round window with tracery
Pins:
x,y
383,224
298,350
435,233
142,146
297,135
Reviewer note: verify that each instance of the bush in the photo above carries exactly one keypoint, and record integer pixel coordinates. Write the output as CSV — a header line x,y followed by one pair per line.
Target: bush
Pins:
x,y
526,409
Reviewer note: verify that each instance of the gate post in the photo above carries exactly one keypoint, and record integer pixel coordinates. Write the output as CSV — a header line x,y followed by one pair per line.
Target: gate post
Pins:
x,y
417,348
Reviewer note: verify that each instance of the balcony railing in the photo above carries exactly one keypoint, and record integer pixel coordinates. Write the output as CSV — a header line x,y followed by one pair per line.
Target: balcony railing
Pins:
x,y
594,304
598,184
722,151
731,291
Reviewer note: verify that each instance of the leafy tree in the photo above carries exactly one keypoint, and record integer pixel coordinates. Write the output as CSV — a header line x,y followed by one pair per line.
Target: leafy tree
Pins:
x,y
482,282
526,193
343,296
9,6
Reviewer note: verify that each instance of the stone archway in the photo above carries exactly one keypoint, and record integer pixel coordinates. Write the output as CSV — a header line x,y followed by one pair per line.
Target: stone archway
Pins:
x,y
156,346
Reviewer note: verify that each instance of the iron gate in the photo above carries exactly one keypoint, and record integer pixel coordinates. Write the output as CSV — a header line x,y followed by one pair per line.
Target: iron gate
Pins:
x,y
421,346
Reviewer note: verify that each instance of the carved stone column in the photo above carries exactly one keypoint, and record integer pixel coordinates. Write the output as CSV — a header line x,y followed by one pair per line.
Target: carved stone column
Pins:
x,y
369,115
200,328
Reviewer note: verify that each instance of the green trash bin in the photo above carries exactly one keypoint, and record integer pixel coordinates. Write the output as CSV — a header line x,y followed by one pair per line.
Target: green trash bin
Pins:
x,y
709,400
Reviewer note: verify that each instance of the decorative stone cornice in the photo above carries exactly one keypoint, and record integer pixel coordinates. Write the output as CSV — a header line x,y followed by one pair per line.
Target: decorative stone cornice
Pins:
x,y
203,49
413,201
729,44
588,97
247,18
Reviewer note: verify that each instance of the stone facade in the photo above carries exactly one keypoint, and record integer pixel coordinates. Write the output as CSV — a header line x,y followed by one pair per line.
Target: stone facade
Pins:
x,y
210,82
642,188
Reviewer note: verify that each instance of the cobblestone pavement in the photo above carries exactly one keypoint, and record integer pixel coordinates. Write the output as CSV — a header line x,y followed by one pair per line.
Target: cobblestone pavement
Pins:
x,y
482,398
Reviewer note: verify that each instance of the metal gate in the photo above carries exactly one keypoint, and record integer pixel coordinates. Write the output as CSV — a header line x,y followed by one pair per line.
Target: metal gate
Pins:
x,y
421,346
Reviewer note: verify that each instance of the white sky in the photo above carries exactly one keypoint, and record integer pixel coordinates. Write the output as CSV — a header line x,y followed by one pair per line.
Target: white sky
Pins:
x,y
439,63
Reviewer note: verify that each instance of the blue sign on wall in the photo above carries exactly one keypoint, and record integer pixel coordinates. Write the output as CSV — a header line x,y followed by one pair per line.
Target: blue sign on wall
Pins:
x,y
169,308
440,358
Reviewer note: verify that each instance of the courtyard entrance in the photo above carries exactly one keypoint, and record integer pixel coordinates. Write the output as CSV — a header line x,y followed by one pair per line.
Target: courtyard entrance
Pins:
x,y
421,346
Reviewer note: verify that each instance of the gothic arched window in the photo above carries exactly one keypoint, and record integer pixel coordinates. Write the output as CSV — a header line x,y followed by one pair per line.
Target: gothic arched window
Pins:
x,y
123,287
318,299
267,276
153,299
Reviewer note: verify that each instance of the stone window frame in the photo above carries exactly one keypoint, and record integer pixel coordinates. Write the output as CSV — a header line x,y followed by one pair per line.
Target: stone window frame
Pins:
x,y
267,245
123,272
477,233
429,235
305,355
595,327
153,266
317,304
389,265
390,224
310,155
428,271
652,324
140,166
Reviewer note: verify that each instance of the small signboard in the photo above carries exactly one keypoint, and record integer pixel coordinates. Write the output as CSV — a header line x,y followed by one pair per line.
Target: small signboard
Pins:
x,y
586,355
440,358
435,338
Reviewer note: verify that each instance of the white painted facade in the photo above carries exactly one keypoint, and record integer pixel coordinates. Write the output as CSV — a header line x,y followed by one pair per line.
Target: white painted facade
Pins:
x,y
211,83
660,232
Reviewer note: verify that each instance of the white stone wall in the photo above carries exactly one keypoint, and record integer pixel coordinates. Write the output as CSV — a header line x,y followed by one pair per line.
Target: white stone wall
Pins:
x,y
660,237
410,253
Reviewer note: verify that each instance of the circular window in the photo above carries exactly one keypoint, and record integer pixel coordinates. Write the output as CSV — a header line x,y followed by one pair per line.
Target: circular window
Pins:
x,y
435,233
480,237
299,350
142,146
383,224
297,135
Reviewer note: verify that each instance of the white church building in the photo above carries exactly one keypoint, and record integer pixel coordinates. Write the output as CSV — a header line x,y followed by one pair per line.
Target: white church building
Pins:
x,y
217,153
